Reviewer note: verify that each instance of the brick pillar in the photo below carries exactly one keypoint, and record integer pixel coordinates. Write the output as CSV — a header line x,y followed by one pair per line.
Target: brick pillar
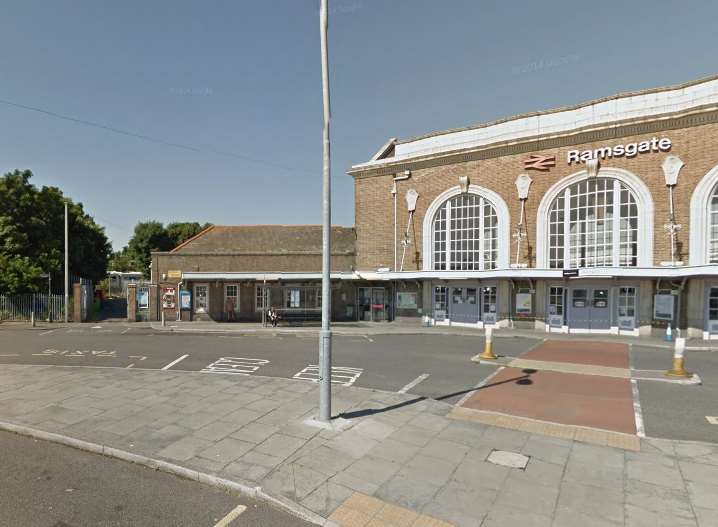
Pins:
x,y
155,304
131,303
77,303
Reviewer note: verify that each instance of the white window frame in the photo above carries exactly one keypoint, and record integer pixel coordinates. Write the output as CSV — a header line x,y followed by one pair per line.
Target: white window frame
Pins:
x,y
502,232
644,202
260,293
194,295
236,298
699,233
596,241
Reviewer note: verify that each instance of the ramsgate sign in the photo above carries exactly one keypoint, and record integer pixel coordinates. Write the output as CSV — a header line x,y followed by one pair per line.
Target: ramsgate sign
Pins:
x,y
627,150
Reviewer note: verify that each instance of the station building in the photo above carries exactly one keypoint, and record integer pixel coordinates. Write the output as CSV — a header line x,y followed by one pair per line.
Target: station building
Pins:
x,y
602,217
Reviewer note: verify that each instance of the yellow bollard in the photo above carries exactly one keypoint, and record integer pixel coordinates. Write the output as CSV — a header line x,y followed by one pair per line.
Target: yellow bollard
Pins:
x,y
488,353
679,360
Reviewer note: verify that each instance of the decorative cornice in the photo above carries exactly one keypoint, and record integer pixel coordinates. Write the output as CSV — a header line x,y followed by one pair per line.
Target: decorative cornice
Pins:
x,y
698,116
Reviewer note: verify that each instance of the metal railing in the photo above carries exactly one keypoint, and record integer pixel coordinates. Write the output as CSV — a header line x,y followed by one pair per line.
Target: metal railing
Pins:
x,y
20,307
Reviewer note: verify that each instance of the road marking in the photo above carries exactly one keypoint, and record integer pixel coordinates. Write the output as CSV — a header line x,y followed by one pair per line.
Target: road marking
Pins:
x,y
75,330
340,375
413,383
130,366
47,332
11,355
712,419
478,387
96,327
367,337
638,413
235,366
183,357
233,514
125,331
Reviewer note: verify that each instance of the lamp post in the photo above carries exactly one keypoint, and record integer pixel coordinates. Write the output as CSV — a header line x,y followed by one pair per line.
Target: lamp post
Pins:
x,y
325,336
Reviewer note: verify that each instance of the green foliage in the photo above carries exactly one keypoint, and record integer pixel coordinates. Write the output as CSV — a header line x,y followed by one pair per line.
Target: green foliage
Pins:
x,y
152,236
32,236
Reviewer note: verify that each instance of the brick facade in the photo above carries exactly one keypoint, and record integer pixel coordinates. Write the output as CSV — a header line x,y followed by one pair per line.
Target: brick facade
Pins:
x,y
696,146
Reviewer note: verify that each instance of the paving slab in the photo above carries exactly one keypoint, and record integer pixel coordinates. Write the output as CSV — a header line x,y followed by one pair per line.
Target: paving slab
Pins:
x,y
423,468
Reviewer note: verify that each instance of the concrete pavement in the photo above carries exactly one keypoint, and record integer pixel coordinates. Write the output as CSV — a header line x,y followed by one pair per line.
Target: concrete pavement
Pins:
x,y
400,460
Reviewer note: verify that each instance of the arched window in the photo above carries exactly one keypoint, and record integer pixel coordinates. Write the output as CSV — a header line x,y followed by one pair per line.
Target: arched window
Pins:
x,y
593,223
713,227
465,234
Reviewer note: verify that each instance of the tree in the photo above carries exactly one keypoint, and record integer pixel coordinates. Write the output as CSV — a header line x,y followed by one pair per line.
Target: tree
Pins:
x,y
181,231
152,236
32,236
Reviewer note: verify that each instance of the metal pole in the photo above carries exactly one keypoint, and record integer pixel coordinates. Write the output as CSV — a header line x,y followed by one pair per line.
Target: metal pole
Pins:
x,y
67,267
325,336
49,295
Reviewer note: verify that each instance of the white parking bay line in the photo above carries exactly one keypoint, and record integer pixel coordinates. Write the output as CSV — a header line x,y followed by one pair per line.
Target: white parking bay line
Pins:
x,y
340,375
125,331
183,357
413,383
233,515
235,366
47,332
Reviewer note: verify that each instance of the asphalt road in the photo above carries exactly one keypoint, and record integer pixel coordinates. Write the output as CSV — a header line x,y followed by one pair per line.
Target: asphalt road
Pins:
x,y
386,362
434,366
674,411
48,485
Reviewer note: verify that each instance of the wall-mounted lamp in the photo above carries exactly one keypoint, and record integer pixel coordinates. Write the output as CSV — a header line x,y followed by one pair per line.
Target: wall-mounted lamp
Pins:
x,y
672,166
523,182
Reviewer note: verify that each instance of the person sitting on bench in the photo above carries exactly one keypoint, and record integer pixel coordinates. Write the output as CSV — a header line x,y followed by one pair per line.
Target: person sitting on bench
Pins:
x,y
273,316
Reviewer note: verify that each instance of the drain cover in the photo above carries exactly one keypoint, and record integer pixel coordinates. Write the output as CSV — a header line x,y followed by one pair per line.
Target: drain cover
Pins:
x,y
508,459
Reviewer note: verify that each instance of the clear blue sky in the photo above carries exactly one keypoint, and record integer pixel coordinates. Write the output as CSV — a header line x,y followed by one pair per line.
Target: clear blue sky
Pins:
x,y
243,78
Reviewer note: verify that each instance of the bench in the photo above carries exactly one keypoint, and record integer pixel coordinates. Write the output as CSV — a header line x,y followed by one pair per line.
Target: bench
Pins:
x,y
299,316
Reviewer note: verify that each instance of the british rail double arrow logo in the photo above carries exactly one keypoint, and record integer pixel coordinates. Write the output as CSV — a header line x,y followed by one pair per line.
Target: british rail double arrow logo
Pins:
x,y
539,162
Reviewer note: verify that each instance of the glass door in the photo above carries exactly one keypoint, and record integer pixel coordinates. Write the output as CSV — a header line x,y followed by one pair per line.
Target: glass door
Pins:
x,y
712,308
378,304
555,307
201,298
441,303
627,308
488,304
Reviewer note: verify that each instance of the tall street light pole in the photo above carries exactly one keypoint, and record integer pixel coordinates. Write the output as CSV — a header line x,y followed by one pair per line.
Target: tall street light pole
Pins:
x,y
67,267
325,336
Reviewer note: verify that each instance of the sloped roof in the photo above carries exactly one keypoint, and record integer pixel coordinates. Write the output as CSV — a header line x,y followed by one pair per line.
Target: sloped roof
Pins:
x,y
267,239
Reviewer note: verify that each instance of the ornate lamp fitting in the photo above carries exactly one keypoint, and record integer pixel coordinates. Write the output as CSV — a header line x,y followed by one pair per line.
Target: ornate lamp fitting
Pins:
x,y
672,165
523,182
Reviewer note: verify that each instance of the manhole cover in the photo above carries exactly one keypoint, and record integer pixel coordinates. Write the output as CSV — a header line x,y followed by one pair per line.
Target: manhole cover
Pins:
x,y
508,459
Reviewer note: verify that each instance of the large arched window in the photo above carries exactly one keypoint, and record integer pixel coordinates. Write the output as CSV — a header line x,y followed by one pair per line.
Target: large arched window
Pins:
x,y
594,223
465,234
703,232
713,227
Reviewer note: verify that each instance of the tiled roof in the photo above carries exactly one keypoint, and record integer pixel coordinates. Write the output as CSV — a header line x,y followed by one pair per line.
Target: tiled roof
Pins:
x,y
267,239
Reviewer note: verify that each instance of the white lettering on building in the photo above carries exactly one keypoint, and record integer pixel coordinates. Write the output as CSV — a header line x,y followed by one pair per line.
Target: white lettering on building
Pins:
x,y
628,150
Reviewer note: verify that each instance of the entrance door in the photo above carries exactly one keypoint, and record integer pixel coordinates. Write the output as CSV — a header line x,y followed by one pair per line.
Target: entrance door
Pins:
x,y
589,309
712,314
378,304
372,304
627,308
201,298
488,304
464,306
555,307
